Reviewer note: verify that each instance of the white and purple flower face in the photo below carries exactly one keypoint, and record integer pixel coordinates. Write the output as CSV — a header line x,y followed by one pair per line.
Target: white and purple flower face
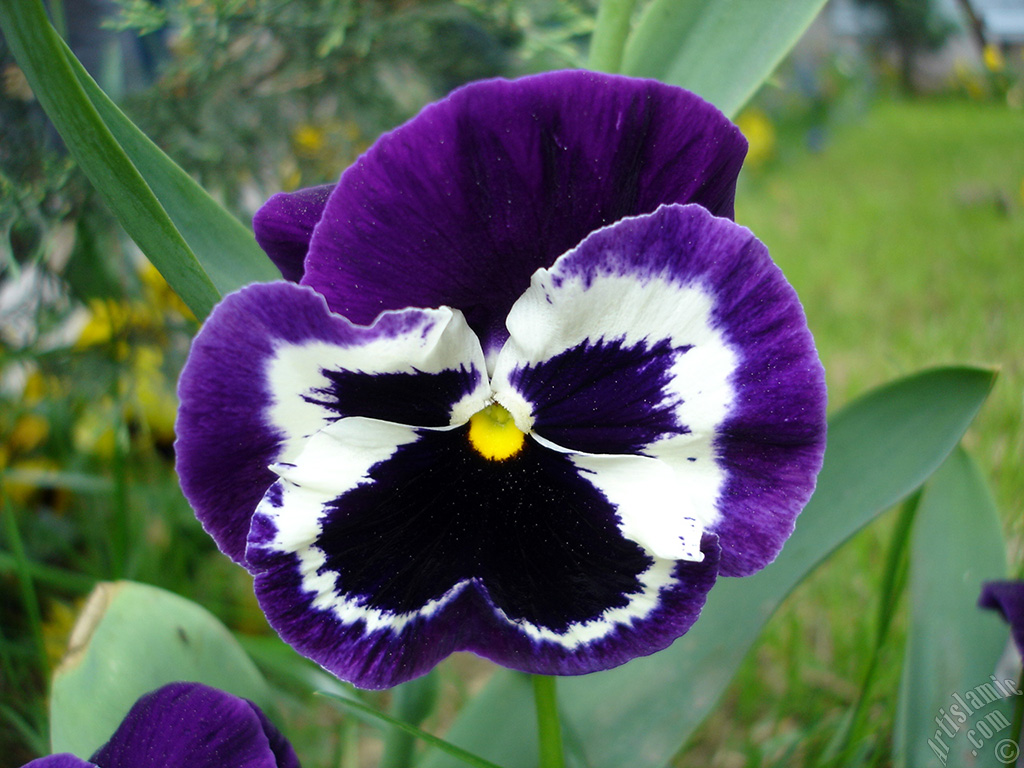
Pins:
x,y
188,725
528,392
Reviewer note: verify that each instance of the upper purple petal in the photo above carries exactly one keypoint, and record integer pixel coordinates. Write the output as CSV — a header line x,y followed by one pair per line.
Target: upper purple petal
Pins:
x,y
1007,597
284,226
188,724
461,205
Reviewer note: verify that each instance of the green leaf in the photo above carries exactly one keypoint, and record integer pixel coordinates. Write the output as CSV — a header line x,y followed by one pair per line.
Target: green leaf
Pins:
x,y
953,646
225,248
200,249
461,756
411,702
880,448
284,667
611,28
848,738
131,639
722,50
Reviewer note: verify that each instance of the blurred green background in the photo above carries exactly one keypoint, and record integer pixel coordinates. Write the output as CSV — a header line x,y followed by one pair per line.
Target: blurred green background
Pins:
x,y
891,194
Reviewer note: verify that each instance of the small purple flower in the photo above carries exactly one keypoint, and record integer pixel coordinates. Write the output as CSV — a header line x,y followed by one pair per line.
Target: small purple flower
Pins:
x,y
532,392
188,725
1006,597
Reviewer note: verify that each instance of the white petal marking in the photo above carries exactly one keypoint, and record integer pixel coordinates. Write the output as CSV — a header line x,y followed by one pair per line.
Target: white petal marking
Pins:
x,y
340,458
441,340
560,312
652,504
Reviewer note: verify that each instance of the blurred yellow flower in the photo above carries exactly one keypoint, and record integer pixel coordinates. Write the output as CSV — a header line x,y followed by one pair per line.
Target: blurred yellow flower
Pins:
x,y
30,431
108,321
156,403
159,295
309,140
993,58
94,433
967,78
57,628
757,127
38,387
15,84
350,130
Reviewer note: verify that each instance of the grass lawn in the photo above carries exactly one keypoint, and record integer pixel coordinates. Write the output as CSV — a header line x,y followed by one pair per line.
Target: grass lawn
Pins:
x,y
904,237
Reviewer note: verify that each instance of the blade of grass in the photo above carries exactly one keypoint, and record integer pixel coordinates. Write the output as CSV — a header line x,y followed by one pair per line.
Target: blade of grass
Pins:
x,y
51,576
36,740
284,665
411,702
225,247
457,752
894,581
77,482
39,53
26,585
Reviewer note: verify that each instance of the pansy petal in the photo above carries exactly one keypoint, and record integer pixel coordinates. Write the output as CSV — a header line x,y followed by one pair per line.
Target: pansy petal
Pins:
x,y
61,760
188,724
1007,597
461,205
385,548
272,365
673,335
284,227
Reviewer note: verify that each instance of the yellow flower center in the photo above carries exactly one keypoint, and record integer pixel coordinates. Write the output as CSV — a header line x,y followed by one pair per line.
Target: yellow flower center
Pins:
x,y
494,434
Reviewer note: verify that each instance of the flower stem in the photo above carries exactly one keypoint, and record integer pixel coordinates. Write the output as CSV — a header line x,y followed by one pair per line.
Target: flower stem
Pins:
x,y
549,729
610,32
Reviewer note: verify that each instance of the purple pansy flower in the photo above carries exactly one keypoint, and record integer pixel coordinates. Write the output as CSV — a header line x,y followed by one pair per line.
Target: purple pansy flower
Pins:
x,y
532,392
187,725
1006,597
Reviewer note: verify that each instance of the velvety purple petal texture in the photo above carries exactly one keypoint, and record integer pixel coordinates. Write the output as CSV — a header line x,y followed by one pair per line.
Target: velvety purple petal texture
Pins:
x,y
461,205
1007,597
271,366
284,226
63,760
188,724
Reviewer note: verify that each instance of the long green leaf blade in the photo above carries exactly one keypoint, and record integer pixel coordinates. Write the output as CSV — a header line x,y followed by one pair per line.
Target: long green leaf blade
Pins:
x,y
459,754
225,247
953,646
722,50
137,184
880,449
39,52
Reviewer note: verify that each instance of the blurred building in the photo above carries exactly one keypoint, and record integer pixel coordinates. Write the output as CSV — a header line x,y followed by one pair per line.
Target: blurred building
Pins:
x,y
974,26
